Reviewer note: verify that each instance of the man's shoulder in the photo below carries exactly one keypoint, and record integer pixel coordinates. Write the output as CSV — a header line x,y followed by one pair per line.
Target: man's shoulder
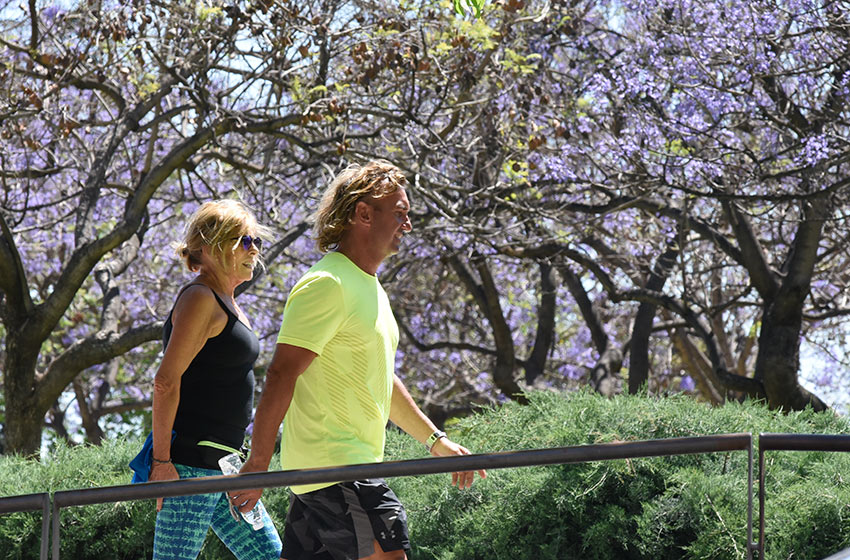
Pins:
x,y
336,266
317,280
321,278
326,269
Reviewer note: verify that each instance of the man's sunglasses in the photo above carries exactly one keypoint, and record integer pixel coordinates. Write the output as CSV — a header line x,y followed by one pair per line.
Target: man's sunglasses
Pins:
x,y
247,241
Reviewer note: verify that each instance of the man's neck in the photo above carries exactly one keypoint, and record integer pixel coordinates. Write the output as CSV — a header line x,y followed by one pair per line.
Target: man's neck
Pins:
x,y
364,261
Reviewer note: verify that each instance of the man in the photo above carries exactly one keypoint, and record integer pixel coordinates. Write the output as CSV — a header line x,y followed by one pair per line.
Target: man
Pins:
x,y
332,378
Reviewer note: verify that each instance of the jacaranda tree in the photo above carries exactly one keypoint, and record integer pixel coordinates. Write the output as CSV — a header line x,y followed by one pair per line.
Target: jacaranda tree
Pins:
x,y
655,169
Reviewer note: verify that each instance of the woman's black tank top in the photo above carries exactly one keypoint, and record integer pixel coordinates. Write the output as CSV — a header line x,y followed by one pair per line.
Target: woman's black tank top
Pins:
x,y
216,392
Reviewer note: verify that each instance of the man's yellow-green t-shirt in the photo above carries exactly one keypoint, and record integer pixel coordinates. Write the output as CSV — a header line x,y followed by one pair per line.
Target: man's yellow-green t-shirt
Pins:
x,y
341,403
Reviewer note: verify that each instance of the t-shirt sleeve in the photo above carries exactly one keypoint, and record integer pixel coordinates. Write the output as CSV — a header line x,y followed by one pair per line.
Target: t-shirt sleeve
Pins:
x,y
313,314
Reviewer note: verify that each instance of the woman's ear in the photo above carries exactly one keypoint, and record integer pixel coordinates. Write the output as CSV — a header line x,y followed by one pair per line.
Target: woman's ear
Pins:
x,y
211,257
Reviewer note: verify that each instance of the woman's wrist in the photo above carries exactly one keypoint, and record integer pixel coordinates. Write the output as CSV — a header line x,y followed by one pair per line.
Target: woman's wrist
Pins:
x,y
160,461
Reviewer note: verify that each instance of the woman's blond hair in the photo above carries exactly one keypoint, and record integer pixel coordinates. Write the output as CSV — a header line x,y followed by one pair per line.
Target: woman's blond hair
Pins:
x,y
218,224
377,179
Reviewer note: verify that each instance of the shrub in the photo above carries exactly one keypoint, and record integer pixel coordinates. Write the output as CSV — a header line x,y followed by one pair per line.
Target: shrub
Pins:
x,y
691,506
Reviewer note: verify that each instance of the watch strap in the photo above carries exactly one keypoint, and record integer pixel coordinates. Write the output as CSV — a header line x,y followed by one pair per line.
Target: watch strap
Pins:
x,y
432,439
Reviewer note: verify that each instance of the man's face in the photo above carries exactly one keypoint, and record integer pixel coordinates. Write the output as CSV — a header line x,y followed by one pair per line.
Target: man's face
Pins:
x,y
390,221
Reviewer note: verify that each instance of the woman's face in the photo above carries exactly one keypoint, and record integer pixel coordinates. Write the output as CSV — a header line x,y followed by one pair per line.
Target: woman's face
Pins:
x,y
238,256
244,257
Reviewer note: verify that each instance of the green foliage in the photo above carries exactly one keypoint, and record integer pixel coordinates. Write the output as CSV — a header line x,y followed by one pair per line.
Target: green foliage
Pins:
x,y
461,6
519,63
103,531
691,506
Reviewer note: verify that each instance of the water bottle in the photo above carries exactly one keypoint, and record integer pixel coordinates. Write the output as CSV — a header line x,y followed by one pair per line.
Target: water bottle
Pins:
x,y
230,464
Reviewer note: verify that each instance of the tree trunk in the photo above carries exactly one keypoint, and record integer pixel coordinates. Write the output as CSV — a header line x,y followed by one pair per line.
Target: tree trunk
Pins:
x,y
24,415
486,296
784,296
778,360
94,434
535,365
604,375
23,427
642,329
699,366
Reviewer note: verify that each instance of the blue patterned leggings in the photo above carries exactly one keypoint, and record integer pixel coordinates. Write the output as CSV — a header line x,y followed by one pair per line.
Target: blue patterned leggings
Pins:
x,y
183,522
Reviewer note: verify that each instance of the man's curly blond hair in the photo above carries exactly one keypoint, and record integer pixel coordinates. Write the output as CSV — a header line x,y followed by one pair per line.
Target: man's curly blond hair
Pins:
x,y
376,179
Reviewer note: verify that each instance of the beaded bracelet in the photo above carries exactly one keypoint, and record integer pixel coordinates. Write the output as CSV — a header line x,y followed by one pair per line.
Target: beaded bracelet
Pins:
x,y
160,461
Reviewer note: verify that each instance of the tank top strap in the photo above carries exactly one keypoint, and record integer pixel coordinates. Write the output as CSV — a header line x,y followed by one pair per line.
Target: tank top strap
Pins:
x,y
230,314
224,306
189,285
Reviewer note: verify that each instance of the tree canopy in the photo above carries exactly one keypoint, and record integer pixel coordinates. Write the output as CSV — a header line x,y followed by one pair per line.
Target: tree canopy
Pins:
x,y
615,193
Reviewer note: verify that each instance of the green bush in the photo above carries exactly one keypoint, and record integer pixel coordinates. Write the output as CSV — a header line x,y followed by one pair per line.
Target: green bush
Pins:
x,y
690,506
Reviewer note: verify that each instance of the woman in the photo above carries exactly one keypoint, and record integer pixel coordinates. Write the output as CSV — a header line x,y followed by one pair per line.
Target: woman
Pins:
x,y
203,390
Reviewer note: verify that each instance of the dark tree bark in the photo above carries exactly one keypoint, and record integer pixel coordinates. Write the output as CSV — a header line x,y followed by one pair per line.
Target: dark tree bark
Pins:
x,y
486,296
545,335
784,294
642,327
778,359
604,373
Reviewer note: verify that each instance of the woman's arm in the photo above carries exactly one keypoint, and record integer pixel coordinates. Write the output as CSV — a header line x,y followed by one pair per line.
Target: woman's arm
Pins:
x,y
196,318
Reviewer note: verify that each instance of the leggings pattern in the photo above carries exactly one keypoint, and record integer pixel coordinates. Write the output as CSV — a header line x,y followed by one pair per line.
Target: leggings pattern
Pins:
x,y
183,522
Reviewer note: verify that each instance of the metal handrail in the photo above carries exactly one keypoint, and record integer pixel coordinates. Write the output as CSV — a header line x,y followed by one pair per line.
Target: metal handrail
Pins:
x,y
561,455
431,465
794,442
31,502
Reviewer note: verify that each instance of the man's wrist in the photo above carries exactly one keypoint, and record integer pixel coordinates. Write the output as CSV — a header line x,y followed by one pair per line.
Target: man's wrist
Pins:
x,y
433,438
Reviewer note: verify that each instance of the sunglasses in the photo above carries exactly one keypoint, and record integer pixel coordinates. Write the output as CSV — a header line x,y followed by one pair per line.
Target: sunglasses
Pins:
x,y
247,241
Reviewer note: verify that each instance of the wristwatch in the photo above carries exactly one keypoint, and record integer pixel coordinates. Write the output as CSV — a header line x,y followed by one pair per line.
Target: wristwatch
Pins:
x,y
432,439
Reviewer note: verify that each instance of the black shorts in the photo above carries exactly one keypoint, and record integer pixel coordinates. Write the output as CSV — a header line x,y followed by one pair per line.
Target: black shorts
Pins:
x,y
341,522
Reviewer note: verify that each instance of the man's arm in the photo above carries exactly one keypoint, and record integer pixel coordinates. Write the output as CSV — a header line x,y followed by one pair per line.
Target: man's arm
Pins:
x,y
287,364
406,415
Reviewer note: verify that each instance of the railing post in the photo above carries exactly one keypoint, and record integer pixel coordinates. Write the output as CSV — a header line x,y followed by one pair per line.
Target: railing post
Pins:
x,y
45,525
31,502
761,499
792,442
56,525
750,544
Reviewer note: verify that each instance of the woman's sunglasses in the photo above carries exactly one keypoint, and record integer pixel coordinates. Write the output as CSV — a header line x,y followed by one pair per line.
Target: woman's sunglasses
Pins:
x,y
247,241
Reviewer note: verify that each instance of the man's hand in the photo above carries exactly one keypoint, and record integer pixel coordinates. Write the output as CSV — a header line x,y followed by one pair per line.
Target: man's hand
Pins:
x,y
160,472
444,447
245,500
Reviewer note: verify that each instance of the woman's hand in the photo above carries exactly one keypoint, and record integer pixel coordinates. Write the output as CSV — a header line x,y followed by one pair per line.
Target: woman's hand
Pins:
x,y
160,472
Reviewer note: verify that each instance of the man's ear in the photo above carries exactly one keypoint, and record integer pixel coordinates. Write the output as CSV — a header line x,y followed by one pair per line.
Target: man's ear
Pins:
x,y
362,213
